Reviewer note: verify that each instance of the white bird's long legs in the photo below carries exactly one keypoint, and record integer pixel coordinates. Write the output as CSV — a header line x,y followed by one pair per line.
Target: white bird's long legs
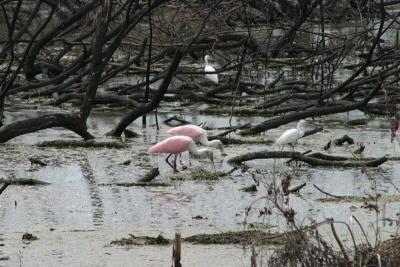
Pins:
x,y
273,169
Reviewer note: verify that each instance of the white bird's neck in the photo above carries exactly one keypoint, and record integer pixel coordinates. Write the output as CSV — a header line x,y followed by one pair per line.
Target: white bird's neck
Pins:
x,y
206,60
200,153
213,143
301,129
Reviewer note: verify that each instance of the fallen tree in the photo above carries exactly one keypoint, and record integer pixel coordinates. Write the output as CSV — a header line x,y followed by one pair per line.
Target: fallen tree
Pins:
x,y
313,161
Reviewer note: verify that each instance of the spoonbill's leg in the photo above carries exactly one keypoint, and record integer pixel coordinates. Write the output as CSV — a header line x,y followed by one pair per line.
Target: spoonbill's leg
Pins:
x,y
169,163
175,169
180,159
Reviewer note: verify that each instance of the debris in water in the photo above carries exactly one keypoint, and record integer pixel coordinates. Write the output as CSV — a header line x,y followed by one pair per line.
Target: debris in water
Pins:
x,y
199,217
328,145
141,241
153,173
130,134
344,139
251,188
29,237
197,174
360,148
23,182
126,162
37,161
80,143
240,237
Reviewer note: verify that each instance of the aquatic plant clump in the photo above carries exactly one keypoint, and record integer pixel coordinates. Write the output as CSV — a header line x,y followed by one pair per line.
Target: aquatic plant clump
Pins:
x,y
141,240
197,175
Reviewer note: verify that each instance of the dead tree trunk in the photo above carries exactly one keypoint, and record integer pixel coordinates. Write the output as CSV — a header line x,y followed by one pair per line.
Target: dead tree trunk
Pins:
x,y
139,111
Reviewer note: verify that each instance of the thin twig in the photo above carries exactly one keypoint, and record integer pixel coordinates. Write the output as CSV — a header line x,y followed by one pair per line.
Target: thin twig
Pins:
x,y
326,193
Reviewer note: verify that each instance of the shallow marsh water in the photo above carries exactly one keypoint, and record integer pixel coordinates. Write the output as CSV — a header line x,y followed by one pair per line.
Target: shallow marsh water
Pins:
x,y
78,214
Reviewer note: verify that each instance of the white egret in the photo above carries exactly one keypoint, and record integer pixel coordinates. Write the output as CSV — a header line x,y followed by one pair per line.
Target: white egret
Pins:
x,y
208,68
292,135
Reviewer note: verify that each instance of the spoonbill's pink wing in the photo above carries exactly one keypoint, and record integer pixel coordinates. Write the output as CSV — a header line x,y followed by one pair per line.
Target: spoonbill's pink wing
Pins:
x,y
174,145
193,131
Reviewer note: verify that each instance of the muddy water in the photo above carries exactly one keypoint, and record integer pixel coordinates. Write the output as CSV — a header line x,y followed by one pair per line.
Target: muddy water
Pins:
x,y
78,214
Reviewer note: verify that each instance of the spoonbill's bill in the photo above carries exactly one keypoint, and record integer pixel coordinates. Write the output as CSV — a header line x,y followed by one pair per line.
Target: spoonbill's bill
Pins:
x,y
178,144
208,68
292,135
198,134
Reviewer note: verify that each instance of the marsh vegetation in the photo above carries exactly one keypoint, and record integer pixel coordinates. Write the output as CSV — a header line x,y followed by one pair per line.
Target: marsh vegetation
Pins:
x,y
86,87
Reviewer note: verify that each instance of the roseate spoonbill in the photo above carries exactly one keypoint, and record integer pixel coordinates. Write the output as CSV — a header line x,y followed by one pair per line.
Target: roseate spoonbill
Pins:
x,y
208,68
198,134
178,144
292,135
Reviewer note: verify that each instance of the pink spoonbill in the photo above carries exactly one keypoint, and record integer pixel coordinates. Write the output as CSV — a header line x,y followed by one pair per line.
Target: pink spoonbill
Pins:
x,y
198,134
178,144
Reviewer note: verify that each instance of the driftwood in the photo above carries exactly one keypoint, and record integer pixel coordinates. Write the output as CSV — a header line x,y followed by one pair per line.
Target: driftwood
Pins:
x,y
328,145
230,130
344,139
313,131
153,173
360,148
23,182
130,134
306,159
296,189
326,193
175,118
5,185
37,161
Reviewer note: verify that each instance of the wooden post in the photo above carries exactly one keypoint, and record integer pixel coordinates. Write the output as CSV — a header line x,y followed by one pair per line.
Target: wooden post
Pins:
x,y
176,251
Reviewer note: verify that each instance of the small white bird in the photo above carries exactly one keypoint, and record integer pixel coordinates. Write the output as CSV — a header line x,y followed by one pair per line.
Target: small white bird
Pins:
x,y
208,68
292,135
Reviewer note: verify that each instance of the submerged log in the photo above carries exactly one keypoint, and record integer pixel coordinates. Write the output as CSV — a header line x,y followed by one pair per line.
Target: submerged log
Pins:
x,y
34,160
313,131
344,139
130,134
23,182
306,159
153,173
296,189
4,187
176,119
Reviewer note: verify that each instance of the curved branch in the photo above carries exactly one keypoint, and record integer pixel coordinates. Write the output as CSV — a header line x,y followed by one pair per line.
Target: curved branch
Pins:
x,y
67,121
